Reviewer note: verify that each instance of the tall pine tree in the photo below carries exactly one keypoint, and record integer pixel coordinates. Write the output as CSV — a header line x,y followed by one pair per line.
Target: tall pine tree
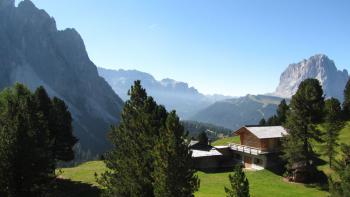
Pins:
x,y
340,185
145,142
173,173
282,111
306,109
332,125
346,103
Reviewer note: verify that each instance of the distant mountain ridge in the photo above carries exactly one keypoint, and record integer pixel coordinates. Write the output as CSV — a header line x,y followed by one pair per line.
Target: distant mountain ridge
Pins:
x,y
236,112
318,66
173,94
34,52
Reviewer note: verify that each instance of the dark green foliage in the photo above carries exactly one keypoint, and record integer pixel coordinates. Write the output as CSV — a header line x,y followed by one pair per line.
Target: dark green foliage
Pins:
x,y
273,121
203,139
262,122
306,109
62,130
332,125
281,115
239,184
282,112
27,159
138,159
346,103
340,187
173,175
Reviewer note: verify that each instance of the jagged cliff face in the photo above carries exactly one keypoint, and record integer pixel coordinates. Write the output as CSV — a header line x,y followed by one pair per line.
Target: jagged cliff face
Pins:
x,y
34,52
320,67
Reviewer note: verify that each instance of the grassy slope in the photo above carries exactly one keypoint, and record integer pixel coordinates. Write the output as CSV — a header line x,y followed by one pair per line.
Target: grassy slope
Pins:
x,y
262,183
343,138
226,141
84,172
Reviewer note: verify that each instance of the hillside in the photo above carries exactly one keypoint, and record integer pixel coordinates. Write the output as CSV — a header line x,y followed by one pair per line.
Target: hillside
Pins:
x,y
34,52
172,94
234,113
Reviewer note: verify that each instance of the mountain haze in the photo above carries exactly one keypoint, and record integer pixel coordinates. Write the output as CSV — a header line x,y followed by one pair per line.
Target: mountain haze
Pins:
x,y
236,112
34,52
168,92
318,66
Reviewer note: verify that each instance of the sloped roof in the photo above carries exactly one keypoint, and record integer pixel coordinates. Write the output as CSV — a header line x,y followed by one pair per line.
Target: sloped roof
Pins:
x,y
264,132
205,153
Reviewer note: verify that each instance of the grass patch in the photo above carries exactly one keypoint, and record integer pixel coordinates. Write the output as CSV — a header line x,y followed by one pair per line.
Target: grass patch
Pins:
x,y
85,172
226,141
262,184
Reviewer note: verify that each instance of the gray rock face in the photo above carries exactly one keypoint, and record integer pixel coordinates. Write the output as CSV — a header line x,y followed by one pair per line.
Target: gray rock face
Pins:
x,y
168,92
319,67
34,52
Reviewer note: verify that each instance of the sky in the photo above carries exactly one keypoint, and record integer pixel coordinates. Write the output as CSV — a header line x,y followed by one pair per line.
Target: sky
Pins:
x,y
230,47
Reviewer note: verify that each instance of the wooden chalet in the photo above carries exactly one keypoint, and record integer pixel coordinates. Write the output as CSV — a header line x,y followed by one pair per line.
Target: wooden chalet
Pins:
x,y
259,145
258,149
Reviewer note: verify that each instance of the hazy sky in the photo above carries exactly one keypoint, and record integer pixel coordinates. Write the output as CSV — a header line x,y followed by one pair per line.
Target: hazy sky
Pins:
x,y
231,47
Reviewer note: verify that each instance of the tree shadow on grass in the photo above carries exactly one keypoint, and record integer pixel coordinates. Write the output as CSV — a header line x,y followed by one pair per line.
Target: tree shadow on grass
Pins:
x,y
68,188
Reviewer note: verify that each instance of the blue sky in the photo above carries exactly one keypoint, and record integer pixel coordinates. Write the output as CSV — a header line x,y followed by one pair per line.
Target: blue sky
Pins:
x,y
232,47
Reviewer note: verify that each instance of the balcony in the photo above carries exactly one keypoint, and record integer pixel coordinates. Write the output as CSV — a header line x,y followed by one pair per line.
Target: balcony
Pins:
x,y
246,149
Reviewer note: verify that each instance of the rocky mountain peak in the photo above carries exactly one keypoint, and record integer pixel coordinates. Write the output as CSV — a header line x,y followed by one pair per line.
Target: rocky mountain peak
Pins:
x,y
319,67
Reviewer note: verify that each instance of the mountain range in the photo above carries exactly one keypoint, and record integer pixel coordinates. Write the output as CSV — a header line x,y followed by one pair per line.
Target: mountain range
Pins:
x,y
234,113
34,52
172,94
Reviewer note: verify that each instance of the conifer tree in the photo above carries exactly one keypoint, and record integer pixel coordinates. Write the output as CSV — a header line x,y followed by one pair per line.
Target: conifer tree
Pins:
x,y
282,111
173,173
340,186
149,147
203,138
262,122
333,124
131,162
27,162
306,109
239,184
273,121
346,102
62,131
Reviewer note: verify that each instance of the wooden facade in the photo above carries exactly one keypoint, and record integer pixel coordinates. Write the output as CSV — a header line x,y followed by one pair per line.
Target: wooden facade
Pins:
x,y
249,139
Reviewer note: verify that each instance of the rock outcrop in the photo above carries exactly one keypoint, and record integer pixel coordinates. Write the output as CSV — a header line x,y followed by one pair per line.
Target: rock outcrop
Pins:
x,y
320,67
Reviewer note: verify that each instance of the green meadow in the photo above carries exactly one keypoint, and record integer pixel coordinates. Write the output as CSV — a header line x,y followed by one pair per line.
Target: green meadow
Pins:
x,y
262,183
